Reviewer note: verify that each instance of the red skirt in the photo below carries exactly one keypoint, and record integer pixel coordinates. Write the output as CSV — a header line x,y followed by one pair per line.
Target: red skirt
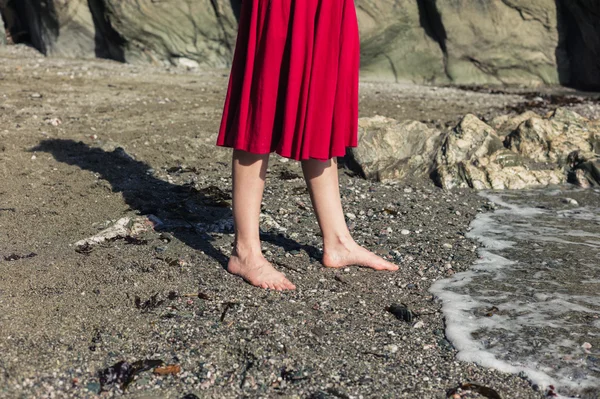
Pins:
x,y
293,87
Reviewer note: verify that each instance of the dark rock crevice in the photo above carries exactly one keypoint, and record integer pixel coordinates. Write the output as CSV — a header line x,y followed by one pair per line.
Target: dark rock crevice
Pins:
x,y
430,20
109,43
32,22
579,43
236,6
219,18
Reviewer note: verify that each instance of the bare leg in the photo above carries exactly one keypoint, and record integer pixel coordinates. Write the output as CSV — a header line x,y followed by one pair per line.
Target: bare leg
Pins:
x,y
247,260
339,248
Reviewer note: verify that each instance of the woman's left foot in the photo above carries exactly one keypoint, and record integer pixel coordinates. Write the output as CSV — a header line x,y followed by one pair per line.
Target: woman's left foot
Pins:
x,y
350,253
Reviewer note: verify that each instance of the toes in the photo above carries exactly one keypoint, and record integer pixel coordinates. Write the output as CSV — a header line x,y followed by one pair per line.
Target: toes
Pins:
x,y
385,265
287,284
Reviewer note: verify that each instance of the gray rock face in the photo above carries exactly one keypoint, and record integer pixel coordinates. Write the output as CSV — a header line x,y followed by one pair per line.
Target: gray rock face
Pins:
x,y
132,31
398,42
564,147
512,41
394,150
203,30
2,32
424,41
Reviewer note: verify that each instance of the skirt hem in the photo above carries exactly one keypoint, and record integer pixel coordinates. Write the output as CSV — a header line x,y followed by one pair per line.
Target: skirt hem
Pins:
x,y
284,154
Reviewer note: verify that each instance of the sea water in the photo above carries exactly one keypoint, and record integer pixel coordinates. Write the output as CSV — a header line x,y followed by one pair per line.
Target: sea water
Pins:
x,y
531,303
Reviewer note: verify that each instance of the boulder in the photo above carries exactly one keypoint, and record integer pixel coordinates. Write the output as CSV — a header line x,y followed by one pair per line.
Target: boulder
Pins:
x,y
506,124
552,140
393,150
585,169
469,141
506,170
541,151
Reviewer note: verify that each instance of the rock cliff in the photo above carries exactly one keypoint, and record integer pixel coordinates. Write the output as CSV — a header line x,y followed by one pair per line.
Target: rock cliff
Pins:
x,y
528,42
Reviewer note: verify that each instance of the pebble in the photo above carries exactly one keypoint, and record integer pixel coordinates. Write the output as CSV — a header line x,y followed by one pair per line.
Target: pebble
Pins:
x,y
405,232
419,324
570,201
541,297
446,245
350,216
53,121
586,345
391,348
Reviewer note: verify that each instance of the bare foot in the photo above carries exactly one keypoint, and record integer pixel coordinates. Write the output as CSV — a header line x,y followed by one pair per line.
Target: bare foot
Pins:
x,y
350,253
259,272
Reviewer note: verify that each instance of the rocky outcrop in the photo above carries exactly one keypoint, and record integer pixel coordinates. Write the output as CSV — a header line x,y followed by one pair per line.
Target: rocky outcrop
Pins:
x,y
538,151
394,150
425,41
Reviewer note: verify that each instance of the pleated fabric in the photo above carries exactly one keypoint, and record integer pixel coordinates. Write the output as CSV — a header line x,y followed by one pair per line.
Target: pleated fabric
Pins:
x,y
293,87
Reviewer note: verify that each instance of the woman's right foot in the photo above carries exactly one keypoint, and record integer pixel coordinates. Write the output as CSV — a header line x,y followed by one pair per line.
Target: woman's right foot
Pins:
x,y
256,270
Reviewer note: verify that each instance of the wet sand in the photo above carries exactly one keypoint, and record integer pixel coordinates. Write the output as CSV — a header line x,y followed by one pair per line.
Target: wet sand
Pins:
x,y
83,144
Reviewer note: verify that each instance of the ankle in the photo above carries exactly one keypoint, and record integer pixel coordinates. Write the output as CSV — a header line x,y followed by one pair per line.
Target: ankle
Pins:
x,y
244,249
338,241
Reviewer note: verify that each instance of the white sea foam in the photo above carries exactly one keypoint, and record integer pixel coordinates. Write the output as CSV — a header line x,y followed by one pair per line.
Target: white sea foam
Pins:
x,y
537,267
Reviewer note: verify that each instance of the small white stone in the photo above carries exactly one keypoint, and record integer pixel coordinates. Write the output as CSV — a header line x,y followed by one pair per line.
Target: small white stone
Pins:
x,y
541,297
350,216
586,345
391,348
419,324
187,63
405,232
447,246
570,201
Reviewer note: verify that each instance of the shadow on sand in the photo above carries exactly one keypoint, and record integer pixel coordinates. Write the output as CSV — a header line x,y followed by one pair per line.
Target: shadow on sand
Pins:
x,y
181,207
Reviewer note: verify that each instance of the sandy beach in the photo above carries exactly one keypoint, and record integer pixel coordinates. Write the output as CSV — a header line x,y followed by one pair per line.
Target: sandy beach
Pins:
x,y
84,144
